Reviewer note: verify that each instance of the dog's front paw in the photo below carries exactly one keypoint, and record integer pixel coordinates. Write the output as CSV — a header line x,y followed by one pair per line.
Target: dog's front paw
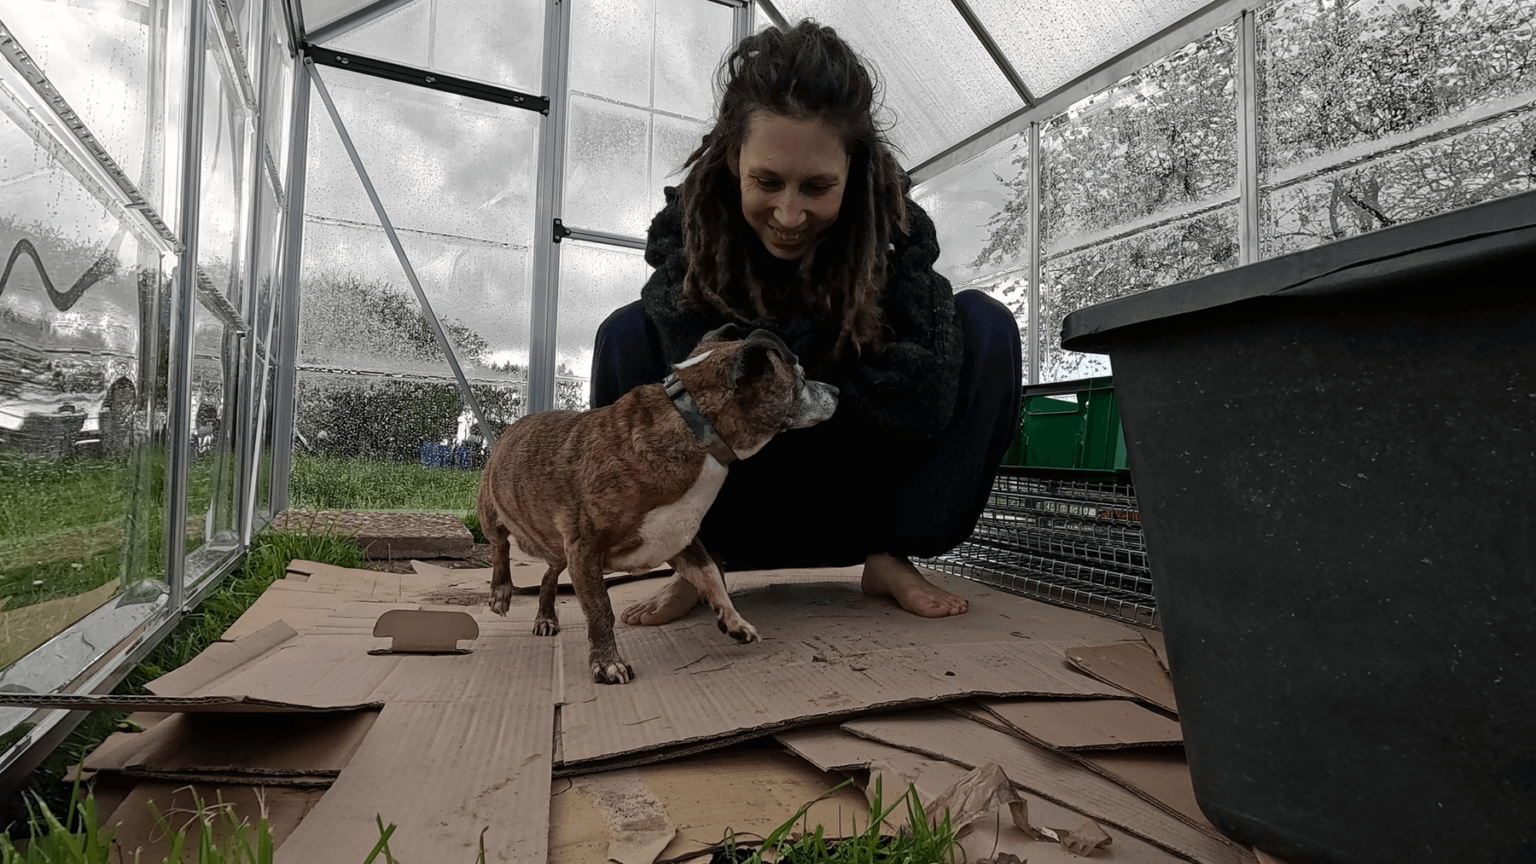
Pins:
x,y
546,627
613,671
501,597
739,629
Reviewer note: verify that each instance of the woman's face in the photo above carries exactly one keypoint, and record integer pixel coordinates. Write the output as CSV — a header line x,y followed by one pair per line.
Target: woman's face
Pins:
x,y
792,173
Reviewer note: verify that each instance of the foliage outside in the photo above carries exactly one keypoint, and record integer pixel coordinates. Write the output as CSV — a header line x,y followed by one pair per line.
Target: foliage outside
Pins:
x,y
1370,113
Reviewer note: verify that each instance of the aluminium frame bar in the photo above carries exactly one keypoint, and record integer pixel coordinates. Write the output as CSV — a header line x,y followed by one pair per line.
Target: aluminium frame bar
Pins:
x,y
1196,25
604,237
79,151
773,14
285,393
742,17
354,19
544,320
1004,65
183,307
377,68
405,262
1247,74
1033,254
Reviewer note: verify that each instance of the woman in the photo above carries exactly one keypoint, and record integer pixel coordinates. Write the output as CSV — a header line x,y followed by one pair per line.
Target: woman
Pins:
x,y
793,217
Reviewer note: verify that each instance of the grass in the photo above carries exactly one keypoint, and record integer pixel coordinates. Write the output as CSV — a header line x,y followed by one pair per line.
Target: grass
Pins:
x,y
342,483
79,839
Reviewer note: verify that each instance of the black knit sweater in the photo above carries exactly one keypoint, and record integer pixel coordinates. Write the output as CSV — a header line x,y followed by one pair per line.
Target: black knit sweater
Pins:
x,y
906,391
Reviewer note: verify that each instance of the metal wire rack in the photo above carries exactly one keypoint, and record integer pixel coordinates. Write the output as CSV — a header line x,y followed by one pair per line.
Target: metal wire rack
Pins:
x,y
1070,542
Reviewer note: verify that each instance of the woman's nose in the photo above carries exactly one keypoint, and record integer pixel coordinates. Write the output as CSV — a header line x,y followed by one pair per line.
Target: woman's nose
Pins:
x,y
788,212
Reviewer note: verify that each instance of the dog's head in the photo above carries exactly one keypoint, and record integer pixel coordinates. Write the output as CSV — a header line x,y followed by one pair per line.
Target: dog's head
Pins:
x,y
751,387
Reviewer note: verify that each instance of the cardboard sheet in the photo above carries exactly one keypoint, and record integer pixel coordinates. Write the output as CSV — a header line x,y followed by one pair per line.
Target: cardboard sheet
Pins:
x,y
1085,724
261,748
1160,773
137,829
827,651
1159,645
444,762
830,748
1132,666
749,789
1049,774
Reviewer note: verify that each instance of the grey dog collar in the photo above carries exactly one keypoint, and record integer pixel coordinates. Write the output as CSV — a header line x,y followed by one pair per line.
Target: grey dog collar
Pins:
x,y
694,417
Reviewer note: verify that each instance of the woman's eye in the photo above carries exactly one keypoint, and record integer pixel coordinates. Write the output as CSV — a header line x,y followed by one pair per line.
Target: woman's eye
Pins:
x,y
816,190
768,184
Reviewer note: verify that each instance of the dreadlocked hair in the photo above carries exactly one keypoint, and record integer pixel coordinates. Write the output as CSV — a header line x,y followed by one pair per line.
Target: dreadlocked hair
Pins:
x,y
807,73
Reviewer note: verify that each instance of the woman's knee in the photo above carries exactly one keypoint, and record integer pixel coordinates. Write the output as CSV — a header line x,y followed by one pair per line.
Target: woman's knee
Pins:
x,y
991,330
624,354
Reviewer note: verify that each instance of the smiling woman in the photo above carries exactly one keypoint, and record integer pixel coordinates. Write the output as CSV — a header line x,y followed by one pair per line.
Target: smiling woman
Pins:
x,y
793,218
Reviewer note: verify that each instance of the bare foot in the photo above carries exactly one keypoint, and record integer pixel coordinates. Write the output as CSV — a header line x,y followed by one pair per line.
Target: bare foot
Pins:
x,y
675,599
889,576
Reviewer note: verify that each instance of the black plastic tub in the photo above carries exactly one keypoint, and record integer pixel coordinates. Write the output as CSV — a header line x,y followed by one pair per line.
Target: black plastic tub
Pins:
x,y
1335,461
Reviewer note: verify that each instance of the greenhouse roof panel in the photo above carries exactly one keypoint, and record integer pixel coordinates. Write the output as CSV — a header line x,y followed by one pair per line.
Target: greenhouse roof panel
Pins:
x,y
940,84
1050,44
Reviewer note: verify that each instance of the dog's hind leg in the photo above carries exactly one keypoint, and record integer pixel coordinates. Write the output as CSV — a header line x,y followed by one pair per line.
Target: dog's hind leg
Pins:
x,y
587,577
701,569
546,624
498,536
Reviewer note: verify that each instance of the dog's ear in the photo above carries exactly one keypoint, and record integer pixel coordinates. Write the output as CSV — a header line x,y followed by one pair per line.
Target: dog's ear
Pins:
x,y
729,332
752,359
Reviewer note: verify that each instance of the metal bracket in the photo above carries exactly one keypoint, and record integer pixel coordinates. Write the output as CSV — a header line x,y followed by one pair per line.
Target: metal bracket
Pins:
x,y
423,78
561,232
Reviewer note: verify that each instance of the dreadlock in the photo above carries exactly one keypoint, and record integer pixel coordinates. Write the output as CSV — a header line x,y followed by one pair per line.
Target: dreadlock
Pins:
x,y
807,73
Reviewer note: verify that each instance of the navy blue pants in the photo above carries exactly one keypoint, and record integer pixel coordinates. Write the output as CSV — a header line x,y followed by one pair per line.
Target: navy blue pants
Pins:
x,y
828,496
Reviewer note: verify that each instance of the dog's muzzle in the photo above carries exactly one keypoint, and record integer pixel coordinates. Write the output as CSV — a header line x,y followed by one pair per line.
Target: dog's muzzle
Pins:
x,y
693,415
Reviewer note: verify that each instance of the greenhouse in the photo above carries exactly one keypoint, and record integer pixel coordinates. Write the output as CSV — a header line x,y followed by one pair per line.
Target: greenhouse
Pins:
x,y
271,264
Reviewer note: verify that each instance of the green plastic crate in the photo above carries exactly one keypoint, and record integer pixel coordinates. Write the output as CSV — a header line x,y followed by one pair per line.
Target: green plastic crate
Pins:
x,y
1062,435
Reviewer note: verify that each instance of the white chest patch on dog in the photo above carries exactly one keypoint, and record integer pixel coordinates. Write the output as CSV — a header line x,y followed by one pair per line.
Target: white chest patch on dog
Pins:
x,y
668,529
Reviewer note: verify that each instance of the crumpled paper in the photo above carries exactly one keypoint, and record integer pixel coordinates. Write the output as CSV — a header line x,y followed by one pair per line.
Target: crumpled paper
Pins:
x,y
982,806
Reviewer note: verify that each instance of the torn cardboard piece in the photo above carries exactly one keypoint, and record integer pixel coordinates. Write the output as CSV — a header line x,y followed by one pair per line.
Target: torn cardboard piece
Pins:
x,y
1131,666
1159,646
749,790
1086,724
827,651
220,660
1049,774
897,769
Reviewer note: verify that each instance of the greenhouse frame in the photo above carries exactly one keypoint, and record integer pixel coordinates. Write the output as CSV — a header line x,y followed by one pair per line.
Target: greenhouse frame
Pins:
x,y
248,239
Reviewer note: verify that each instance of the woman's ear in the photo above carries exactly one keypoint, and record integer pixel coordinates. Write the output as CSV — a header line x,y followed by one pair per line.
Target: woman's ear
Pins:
x,y
733,159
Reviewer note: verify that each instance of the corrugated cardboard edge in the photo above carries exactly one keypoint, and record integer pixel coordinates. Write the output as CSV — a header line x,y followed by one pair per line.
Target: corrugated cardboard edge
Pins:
x,y
220,660
172,704
1131,666
1156,730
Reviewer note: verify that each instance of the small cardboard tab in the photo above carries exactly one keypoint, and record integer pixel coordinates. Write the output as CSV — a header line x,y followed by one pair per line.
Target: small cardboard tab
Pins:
x,y
424,631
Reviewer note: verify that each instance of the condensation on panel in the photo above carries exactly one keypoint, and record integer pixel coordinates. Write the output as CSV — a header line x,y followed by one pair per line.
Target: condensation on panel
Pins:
x,y
499,42
980,210
277,90
642,94
1476,165
223,211
358,312
940,84
212,478
1341,79
595,281
607,170
1050,44
1157,144
82,466
99,57
1183,250
1375,113
442,164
